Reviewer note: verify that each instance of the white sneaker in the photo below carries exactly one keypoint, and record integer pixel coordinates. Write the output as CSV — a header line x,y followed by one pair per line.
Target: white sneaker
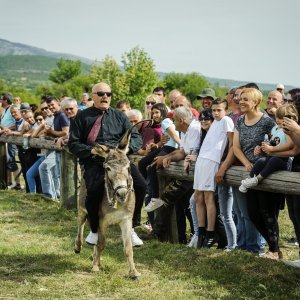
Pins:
x,y
92,238
248,183
294,263
193,242
154,204
136,241
243,189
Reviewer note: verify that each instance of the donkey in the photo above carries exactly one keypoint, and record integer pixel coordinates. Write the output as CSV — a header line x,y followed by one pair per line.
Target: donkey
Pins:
x,y
117,205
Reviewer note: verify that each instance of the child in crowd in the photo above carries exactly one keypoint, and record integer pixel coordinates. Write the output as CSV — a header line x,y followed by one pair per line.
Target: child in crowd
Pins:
x,y
279,141
159,115
207,165
206,120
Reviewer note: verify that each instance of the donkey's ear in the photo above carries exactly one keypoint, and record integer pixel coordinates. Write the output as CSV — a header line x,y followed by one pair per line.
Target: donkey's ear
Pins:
x,y
124,143
101,150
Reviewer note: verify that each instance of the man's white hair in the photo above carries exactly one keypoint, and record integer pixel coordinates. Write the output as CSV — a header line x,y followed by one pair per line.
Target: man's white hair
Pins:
x,y
68,101
135,112
184,113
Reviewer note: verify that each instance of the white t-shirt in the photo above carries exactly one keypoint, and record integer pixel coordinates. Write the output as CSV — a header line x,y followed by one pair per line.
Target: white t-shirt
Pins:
x,y
216,139
165,124
190,140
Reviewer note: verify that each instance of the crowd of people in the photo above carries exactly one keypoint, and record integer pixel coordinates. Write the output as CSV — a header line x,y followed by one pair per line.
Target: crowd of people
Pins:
x,y
226,131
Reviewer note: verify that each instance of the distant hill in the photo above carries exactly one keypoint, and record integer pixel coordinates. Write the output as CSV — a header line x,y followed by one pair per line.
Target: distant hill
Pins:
x,y
11,48
29,66
29,70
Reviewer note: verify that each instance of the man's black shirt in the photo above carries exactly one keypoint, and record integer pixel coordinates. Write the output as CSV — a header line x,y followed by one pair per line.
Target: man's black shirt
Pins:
x,y
114,124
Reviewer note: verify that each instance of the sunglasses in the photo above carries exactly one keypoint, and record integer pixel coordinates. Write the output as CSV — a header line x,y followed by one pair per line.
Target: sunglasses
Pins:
x,y
101,94
204,119
39,119
289,101
44,108
150,102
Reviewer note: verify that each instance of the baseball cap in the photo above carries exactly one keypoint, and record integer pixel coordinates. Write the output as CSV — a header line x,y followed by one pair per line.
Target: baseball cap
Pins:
x,y
7,96
25,106
280,86
206,114
207,92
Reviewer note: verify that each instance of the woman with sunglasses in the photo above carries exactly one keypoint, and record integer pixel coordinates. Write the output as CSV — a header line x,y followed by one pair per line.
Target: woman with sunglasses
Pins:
x,y
149,102
39,118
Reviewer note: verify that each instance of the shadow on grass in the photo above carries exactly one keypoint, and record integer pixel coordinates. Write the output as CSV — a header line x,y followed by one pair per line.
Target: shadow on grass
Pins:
x,y
16,266
240,275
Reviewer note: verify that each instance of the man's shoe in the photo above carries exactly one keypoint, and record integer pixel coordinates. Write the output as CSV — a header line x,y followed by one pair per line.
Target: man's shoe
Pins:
x,y
193,242
92,238
136,241
154,204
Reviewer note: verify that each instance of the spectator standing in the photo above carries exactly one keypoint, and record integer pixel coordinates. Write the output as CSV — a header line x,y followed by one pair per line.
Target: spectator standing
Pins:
x,y
208,169
262,207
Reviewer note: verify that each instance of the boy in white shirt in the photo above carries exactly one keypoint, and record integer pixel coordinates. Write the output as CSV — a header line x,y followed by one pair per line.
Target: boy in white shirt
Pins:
x,y
206,170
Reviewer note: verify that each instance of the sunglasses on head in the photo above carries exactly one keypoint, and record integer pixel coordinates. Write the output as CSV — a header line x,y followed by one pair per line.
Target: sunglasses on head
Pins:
x,y
101,94
150,102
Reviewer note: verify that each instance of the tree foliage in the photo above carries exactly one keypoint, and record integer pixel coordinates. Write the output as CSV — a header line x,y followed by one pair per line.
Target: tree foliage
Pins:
x,y
190,84
65,70
140,75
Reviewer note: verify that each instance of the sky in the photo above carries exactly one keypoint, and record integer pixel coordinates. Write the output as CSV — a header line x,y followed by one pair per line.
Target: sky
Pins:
x,y
253,40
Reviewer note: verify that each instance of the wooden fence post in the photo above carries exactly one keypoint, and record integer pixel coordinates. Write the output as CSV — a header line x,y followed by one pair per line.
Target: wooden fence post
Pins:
x,y
165,216
3,170
68,179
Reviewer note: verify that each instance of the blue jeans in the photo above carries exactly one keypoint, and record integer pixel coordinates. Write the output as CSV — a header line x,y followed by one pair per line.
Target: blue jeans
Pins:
x,y
32,173
194,214
248,238
49,177
225,203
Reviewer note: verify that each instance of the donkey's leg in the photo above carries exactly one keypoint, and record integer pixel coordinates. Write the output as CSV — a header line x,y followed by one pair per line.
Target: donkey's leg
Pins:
x,y
98,249
126,237
82,216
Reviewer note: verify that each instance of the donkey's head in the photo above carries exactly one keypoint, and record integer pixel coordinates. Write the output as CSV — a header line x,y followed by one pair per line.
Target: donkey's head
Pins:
x,y
118,181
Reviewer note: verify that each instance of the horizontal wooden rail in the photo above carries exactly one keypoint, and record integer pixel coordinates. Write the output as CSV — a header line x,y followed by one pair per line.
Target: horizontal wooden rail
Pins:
x,y
278,182
40,143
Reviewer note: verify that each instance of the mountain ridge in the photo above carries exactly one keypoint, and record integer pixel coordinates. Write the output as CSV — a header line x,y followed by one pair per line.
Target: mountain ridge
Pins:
x,y
8,49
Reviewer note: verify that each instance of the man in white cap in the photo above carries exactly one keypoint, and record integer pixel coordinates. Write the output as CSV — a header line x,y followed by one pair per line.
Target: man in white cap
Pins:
x,y
280,88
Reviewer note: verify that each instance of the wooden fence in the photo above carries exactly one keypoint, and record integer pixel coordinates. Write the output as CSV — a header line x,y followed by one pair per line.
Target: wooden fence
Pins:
x,y
278,182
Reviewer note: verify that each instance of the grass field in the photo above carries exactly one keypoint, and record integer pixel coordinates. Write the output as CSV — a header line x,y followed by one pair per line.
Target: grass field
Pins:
x,y
37,262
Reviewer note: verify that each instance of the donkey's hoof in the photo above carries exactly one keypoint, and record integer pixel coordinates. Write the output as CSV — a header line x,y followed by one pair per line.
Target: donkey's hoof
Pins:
x,y
134,275
77,251
95,269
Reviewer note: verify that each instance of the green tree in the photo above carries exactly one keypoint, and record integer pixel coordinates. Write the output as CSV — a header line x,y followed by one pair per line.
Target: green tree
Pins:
x,y
65,70
140,75
190,84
